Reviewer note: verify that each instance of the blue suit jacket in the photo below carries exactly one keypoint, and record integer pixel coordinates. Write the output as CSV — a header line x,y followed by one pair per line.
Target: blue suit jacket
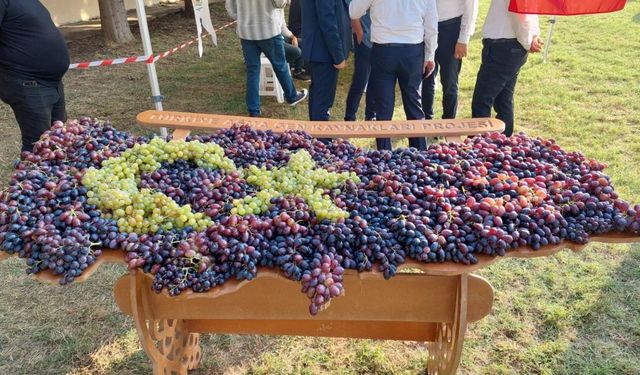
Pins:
x,y
326,27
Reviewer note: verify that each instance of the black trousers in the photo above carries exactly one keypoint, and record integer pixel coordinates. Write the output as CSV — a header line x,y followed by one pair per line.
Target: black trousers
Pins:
x,y
322,92
359,82
403,64
35,104
449,69
496,82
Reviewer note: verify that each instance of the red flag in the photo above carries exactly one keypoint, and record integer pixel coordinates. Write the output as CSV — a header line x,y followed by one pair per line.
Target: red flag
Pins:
x,y
565,7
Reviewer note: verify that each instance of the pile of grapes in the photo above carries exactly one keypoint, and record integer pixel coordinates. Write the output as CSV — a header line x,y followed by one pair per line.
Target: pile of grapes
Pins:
x,y
199,212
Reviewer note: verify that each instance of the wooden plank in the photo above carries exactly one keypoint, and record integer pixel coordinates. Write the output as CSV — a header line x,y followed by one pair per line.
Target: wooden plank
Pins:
x,y
414,298
329,129
378,330
181,133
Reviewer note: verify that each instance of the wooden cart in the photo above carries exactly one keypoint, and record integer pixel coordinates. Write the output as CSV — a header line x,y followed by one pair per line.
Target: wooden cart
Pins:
x,y
433,305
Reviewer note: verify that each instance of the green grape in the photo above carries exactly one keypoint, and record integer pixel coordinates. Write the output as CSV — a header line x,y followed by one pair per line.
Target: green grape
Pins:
x,y
299,177
114,187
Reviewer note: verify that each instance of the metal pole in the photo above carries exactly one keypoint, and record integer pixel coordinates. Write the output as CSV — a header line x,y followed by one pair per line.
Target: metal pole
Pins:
x,y
148,51
552,21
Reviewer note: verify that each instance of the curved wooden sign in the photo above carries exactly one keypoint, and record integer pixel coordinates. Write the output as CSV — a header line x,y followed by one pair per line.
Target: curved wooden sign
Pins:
x,y
328,129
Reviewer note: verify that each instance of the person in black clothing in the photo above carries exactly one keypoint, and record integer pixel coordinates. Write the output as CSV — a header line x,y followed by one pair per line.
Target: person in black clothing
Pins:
x,y
292,47
33,60
292,51
295,18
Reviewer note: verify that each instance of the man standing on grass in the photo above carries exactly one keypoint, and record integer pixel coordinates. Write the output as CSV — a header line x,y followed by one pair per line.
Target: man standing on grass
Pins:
x,y
259,29
507,40
33,60
326,28
361,71
405,37
456,24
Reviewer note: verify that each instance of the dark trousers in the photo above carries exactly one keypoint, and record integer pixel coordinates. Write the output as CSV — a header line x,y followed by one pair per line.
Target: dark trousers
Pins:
x,y
359,81
273,49
403,64
322,92
496,82
448,67
293,55
36,105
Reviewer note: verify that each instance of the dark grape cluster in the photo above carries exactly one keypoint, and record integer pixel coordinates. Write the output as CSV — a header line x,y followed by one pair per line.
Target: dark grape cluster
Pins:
x,y
206,190
451,203
44,216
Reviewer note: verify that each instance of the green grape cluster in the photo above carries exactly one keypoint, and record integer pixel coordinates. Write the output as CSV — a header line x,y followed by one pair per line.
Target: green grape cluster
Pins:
x,y
114,187
299,177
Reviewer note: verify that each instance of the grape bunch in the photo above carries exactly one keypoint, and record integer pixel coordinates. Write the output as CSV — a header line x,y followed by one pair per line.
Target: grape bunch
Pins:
x,y
196,214
114,187
45,216
299,177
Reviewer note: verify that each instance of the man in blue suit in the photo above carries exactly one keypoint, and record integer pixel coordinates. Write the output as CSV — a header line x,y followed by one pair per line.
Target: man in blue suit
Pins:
x,y
326,27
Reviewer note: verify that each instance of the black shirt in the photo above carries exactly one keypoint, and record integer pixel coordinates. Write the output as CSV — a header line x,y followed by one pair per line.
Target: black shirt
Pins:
x,y
31,46
295,18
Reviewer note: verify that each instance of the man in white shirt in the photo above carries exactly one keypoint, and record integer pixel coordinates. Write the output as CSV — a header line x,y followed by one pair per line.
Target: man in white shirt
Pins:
x,y
405,37
507,39
457,22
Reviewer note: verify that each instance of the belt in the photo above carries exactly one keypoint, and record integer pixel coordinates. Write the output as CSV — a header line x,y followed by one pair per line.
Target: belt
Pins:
x,y
496,41
397,44
450,21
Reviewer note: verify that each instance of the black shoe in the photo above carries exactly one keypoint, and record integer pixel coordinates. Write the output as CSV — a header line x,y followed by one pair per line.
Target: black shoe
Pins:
x,y
254,115
302,95
302,76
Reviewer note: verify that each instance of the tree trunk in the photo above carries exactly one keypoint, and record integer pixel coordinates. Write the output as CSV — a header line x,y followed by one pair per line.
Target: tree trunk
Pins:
x,y
115,27
188,9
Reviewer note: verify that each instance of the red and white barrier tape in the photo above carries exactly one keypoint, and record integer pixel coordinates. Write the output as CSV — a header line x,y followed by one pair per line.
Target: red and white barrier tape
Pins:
x,y
137,59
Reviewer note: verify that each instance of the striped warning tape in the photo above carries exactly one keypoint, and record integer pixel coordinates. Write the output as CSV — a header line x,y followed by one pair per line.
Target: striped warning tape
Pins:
x,y
137,59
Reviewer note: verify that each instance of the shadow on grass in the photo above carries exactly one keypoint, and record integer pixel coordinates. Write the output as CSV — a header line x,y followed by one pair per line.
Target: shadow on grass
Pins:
x,y
607,340
221,354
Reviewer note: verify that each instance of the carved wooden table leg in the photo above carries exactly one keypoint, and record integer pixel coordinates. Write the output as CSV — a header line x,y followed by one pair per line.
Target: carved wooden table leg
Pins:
x,y
173,350
445,352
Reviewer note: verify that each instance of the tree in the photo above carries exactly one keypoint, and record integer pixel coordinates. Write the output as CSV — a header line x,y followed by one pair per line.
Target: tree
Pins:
x,y
113,17
188,9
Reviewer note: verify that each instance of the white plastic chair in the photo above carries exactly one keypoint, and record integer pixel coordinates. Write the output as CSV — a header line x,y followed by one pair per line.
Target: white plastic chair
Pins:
x,y
269,84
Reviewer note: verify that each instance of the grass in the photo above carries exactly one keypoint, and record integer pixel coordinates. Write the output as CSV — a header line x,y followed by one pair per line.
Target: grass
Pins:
x,y
567,314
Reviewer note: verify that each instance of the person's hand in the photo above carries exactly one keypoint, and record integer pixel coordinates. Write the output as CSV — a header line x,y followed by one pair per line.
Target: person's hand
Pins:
x,y
461,51
356,26
294,41
359,35
429,66
536,44
342,65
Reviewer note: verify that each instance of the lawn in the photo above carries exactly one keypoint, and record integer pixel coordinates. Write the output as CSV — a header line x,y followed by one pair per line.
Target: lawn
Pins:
x,y
568,314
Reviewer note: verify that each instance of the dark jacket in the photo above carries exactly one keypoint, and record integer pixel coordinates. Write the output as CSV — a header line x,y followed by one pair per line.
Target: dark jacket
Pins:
x,y
326,27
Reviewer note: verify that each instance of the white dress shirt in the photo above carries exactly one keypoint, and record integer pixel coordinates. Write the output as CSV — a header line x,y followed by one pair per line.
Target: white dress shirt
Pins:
x,y
468,9
502,24
405,21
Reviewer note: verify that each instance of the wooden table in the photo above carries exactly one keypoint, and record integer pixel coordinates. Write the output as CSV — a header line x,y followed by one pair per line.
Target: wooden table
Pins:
x,y
434,305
